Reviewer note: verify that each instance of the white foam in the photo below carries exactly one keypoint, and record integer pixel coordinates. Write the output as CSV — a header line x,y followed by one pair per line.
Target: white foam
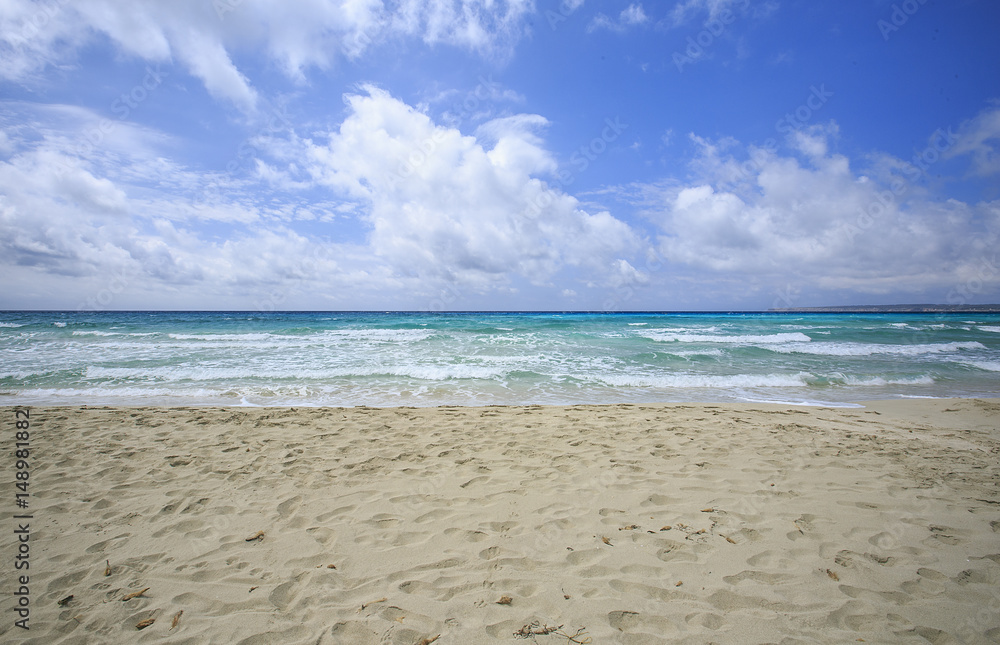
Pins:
x,y
380,335
668,336
878,381
673,381
694,352
226,337
59,324
989,366
10,324
992,328
805,403
868,349
271,371
96,333
21,375
637,324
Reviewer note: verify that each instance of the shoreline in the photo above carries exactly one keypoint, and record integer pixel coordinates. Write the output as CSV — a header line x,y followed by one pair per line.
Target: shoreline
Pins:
x,y
636,523
832,405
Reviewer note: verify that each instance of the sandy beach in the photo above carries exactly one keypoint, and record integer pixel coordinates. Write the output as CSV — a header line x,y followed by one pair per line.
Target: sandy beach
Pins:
x,y
633,524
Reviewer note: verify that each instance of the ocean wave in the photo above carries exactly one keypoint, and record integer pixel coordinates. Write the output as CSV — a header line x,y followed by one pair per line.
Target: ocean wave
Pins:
x,y
804,402
693,352
10,324
989,366
225,337
868,349
380,335
669,336
96,333
222,374
878,381
22,375
675,381
59,324
124,395
992,328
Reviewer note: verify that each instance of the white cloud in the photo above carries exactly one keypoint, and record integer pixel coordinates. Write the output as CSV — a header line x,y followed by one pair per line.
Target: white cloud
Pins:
x,y
686,9
204,34
629,17
441,210
633,15
980,138
812,219
444,205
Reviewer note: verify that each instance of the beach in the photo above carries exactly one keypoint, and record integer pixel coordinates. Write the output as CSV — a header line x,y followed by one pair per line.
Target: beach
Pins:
x,y
636,524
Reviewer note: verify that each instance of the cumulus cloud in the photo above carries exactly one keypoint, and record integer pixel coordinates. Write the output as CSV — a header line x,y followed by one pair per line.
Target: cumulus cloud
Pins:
x,y
807,216
76,217
441,209
461,208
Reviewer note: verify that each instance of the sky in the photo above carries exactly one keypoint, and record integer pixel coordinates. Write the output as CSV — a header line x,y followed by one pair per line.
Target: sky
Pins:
x,y
498,154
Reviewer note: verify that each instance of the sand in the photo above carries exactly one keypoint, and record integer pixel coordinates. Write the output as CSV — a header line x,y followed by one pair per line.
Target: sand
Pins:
x,y
622,524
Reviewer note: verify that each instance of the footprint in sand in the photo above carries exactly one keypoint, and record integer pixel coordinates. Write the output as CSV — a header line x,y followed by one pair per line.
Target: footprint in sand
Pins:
x,y
468,536
635,623
709,620
289,506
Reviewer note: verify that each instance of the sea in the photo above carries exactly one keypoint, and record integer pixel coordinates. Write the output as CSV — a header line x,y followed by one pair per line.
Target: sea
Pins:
x,y
394,359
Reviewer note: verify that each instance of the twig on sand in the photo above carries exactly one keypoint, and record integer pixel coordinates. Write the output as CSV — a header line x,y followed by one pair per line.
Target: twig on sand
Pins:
x,y
134,594
367,604
537,629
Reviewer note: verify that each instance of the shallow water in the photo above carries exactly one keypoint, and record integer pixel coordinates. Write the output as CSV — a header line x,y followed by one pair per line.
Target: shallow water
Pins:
x,y
427,359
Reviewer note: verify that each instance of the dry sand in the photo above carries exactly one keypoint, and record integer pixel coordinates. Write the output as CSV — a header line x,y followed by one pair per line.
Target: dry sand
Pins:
x,y
622,524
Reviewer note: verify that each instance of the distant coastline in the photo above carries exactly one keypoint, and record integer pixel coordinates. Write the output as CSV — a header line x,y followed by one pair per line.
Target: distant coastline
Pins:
x,y
892,309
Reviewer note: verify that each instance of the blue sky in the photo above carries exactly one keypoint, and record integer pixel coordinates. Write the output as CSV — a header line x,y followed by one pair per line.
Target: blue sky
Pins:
x,y
498,154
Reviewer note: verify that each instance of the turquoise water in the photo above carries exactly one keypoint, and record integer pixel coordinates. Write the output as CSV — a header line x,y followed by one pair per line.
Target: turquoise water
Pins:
x,y
425,359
